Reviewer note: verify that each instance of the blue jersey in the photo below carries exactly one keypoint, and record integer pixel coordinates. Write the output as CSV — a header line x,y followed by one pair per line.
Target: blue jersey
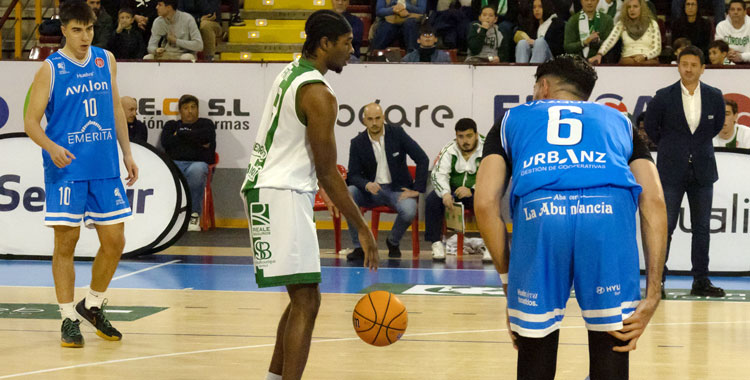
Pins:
x,y
567,145
80,117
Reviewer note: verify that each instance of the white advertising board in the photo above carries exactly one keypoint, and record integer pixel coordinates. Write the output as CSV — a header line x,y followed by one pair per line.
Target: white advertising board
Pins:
x,y
158,201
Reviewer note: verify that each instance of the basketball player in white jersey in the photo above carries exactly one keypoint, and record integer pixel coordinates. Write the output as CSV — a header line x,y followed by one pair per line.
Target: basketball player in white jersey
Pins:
x,y
295,150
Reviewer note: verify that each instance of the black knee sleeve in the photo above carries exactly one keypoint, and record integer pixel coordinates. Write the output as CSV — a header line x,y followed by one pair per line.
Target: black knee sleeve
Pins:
x,y
605,364
537,357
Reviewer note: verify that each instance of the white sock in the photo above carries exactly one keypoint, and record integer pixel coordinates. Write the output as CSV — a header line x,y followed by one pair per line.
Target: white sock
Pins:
x,y
68,310
94,299
273,376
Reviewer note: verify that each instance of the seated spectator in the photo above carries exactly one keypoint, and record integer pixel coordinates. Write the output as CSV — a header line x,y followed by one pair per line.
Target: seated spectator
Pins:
x,y
735,31
612,8
693,26
339,6
234,8
145,14
585,30
451,23
207,15
378,175
127,43
191,143
541,36
719,8
398,18
486,42
453,179
718,51
678,46
175,34
506,10
732,135
103,26
641,38
427,51
137,131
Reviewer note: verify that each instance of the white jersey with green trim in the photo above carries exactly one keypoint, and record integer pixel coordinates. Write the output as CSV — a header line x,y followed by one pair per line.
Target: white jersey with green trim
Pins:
x,y
282,158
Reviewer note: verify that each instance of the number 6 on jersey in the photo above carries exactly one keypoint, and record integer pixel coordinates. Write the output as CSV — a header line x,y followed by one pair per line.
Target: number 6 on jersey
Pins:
x,y
553,126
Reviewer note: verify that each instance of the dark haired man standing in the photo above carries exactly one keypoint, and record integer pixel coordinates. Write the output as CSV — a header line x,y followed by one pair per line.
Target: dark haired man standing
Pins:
x,y
81,172
578,175
191,143
294,153
684,136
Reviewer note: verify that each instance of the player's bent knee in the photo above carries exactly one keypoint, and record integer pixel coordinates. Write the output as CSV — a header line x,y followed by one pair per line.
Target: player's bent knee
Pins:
x,y
67,236
305,297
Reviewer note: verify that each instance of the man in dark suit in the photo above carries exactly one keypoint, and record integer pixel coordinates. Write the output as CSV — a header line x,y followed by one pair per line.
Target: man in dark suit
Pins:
x,y
378,175
682,119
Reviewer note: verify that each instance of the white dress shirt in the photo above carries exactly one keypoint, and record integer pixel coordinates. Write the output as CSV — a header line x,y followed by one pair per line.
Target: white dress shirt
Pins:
x,y
382,174
692,106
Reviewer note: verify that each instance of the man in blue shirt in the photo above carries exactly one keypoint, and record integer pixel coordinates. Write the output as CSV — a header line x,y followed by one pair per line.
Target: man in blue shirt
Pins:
x,y
579,174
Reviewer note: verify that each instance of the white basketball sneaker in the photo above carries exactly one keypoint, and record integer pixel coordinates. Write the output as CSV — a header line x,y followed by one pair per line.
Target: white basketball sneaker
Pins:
x,y
438,251
195,224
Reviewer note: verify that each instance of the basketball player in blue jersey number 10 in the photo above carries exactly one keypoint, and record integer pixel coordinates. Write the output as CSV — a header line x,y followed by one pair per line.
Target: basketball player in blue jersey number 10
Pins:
x,y
579,175
76,89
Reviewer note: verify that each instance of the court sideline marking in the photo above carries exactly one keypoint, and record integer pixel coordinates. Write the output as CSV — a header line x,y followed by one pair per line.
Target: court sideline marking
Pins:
x,y
314,341
144,270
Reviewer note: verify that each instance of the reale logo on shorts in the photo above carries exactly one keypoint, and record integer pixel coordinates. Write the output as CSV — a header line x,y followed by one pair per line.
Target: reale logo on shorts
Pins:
x,y
260,225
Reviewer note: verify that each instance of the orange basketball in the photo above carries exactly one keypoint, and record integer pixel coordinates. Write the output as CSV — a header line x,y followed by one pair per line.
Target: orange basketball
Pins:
x,y
380,318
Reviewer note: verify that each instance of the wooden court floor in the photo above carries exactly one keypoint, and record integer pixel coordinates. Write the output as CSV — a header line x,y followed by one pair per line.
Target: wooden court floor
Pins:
x,y
229,335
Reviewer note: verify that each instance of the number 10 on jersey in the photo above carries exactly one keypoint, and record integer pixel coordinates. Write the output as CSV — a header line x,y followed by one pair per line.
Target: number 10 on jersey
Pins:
x,y
90,106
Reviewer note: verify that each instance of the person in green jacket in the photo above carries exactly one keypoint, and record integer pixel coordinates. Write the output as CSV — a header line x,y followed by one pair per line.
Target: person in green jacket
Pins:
x,y
585,30
453,178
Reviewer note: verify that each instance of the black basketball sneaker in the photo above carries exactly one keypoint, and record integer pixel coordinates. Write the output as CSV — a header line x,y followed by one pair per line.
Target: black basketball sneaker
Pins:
x,y
71,334
96,318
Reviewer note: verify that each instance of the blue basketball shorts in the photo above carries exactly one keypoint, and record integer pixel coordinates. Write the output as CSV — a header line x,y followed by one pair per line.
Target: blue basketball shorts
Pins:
x,y
98,201
582,239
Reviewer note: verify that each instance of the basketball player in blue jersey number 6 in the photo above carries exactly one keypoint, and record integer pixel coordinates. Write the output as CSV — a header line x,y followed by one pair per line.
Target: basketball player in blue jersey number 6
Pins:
x,y
76,89
579,175
294,152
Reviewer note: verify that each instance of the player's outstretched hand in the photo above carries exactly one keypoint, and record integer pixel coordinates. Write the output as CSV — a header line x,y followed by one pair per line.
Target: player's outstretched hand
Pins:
x,y
370,247
61,156
635,326
132,170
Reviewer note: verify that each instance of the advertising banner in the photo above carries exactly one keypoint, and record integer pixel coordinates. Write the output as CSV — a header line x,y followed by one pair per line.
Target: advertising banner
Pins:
x,y
426,100
729,250
158,201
